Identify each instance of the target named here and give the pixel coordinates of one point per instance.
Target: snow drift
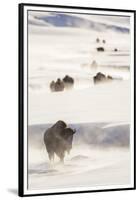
(92, 134)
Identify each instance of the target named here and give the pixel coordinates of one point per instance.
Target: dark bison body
(100, 77)
(68, 81)
(57, 86)
(109, 77)
(60, 85)
(58, 140)
(104, 41)
(100, 49)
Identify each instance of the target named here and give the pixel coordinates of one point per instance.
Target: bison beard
(58, 140)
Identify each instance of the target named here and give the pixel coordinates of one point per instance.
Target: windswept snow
(64, 44)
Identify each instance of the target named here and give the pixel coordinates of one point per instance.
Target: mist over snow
(65, 44)
(61, 44)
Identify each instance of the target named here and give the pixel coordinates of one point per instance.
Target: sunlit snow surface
(60, 45)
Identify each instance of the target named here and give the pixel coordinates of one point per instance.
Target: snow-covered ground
(99, 167)
(56, 51)
(100, 156)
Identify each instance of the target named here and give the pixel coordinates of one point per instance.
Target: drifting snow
(101, 151)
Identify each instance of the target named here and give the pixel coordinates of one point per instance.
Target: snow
(55, 52)
(98, 168)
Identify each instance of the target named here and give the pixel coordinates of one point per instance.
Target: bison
(94, 64)
(58, 140)
(115, 49)
(68, 81)
(100, 49)
(109, 77)
(59, 85)
(99, 77)
(104, 41)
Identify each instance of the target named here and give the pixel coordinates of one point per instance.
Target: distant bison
(104, 41)
(57, 86)
(94, 64)
(109, 77)
(58, 140)
(100, 49)
(68, 81)
(97, 40)
(100, 77)
(60, 85)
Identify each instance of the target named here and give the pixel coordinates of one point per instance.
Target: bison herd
(66, 83)
(58, 140)
(100, 77)
(101, 48)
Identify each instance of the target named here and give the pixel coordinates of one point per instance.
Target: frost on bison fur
(58, 140)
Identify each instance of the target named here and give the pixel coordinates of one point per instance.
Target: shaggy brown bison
(59, 85)
(68, 81)
(100, 77)
(100, 49)
(58, 140)
(109, 77)
(104, 41)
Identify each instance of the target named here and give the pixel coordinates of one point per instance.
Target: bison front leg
(61, 156)
(51, 156)
(62, 159)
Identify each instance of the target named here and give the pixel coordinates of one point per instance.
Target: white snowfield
(109, 102)
(99, 157)
(58, 51)
(94, 167)
(54, 53)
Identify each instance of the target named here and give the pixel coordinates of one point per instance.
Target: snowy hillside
(74, 21)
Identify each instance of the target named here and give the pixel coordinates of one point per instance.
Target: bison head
(60, 124)
(68, 137)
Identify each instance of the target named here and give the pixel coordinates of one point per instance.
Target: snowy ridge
(67, 20)
(92, 134)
